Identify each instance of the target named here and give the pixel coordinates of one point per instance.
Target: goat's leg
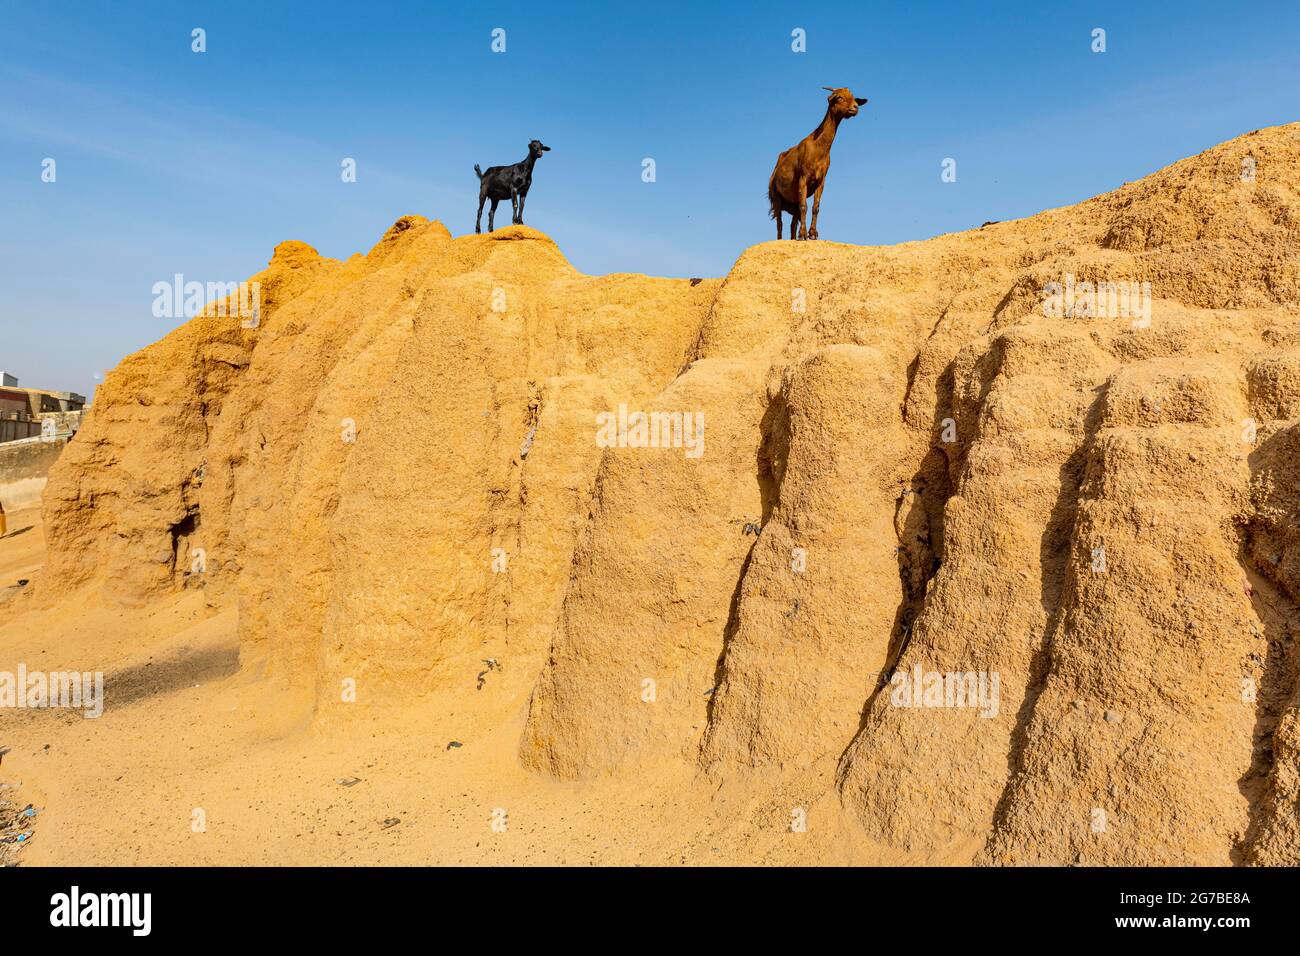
(522, 197)
(492, 215)
(777, 217)
(801, 192)
(817, 206)
(478, 220)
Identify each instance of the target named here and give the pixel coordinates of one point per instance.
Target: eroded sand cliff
(908, 464)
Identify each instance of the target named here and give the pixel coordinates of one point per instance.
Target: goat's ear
(859, 100)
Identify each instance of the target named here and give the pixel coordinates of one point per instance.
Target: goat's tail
(478, 172)
(773, 199)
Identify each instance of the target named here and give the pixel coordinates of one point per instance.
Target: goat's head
(535, 148)
(842, 102)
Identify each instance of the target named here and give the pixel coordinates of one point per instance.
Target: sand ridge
(1059, 450)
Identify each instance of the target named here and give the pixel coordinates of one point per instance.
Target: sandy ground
(186, 729)
(22, 549)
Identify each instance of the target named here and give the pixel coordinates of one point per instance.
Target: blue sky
(170, 161)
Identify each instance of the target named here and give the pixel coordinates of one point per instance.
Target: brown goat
(802, 169)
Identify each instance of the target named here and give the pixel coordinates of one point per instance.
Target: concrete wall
(28, 459)
(11, 430)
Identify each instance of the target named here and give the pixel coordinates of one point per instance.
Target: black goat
(507, 182)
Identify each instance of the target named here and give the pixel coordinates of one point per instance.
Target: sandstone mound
(913, 463)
